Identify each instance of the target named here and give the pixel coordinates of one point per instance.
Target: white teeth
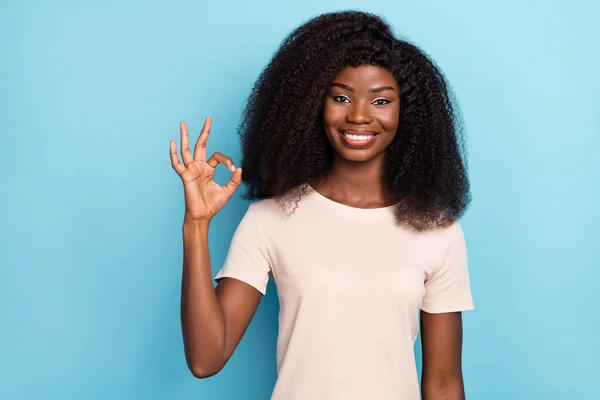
(359, 137)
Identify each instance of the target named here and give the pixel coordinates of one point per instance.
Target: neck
(356, 184)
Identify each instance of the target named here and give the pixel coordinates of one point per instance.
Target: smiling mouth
(358, 139)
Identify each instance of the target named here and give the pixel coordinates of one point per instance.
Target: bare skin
(362, 100)
(212, 320)
(441, 344)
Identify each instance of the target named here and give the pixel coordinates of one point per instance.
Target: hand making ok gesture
(203, 196)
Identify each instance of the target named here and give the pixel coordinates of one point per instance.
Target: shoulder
(444, 235)
(264, 209)
(280, 208)
(264, 214)
(440, 243)
(452, 232)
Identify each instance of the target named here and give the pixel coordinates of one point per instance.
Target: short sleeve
(248, 259)
(447, 287)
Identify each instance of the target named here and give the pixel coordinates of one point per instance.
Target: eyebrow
(373, 90)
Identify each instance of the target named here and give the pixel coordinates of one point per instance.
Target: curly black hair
(284, 144)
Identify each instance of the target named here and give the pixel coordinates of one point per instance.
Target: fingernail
(232, 168)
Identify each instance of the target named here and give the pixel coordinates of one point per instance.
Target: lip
(357, 144)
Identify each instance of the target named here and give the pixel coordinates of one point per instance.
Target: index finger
(200, 148)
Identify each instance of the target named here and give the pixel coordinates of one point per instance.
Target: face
(361, 112)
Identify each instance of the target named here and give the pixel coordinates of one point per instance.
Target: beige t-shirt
(350, 284)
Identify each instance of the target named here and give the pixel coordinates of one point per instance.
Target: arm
(441, 343)
(213, 321)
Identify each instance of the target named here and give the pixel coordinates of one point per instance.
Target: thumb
(234, 182)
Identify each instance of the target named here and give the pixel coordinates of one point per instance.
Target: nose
(359, 113)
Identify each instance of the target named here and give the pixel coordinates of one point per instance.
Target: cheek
(331, 116)
(389, 119)
(326, 116)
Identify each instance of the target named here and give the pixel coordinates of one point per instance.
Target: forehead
(365, 76)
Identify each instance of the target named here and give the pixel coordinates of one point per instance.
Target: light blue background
(90, 241)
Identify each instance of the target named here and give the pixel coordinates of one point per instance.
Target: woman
(352, 148)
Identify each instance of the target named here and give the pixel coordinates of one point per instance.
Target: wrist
(189, 221)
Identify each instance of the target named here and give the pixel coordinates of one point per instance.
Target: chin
(357, 156)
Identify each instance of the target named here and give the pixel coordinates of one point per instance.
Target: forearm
(442, 388)
(202, 318)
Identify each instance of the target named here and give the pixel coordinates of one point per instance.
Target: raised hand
(203, 196)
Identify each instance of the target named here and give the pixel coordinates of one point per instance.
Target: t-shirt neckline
(349, 210)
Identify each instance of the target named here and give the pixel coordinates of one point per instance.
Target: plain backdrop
(90, 220)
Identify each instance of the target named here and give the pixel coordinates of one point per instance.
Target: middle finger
(186, 154)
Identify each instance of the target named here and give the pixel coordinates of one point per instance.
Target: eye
(341, 99)
(381, 102)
